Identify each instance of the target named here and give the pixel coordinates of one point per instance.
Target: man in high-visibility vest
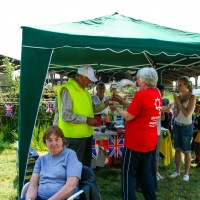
(76, 113)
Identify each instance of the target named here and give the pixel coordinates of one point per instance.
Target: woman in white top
(102, 116)
(98, 98)
(184, 105)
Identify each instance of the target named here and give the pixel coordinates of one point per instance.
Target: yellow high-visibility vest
(81, 105)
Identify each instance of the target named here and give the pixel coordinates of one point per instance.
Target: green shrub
(7, 134)
(37, 142)
(5, 145)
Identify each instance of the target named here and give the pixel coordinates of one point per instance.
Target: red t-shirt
(141, 132)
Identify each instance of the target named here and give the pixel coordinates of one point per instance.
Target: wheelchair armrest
(75, 195)
(85, 189)
(24, 190)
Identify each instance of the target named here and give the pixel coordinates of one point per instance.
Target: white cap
(88, 71)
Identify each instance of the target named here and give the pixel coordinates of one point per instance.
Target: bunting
(94, 153)
(49, 107)
(8, 108)
(116, 145)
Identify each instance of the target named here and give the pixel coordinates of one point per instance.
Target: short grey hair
(148, 75)
(100, 85)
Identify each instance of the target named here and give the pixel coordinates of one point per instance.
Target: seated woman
(56, 174)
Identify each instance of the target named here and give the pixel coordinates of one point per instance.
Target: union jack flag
(116, 145)
(94, 153)
(8, 108)
(49, 107)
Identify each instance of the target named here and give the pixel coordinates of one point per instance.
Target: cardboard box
(101, 158)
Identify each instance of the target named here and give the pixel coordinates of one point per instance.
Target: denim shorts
(182, 137)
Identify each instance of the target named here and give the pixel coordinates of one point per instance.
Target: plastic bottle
(118, 118)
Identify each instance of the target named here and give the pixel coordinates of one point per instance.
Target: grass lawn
(108, 180)
(174, 189)
(8, 174)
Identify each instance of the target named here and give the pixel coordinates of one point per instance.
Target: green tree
(13, 82)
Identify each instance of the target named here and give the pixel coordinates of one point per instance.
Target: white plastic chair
(24, 190)
(77, 194)
(87, 184)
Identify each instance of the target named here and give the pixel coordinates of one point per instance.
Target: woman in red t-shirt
(141, 135)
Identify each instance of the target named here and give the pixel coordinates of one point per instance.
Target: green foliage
(37, 142)
(8, 174)
(43, 116)
(34, 142)
(111, 116)
(49, 94)
(13, 84)
(8, 131)
(43, 121)
(5, 145)
(9, 125)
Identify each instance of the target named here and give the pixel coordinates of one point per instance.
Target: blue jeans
(137, 165)
(182, 137)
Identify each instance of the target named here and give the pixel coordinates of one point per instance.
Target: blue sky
(178, 14)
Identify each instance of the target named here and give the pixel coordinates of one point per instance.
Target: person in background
(76, 113)
(141, 135)
(195, 131)
(98, 98)
(157, 153)
(164, 112)
(55, 107)
(102, 117)
(196, 160)
(56, 174)
(166, 123)
(184, 105)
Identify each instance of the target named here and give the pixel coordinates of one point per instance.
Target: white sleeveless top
(96, 101)
(181, 118)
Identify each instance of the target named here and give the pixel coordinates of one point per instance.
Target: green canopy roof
(114, 42)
